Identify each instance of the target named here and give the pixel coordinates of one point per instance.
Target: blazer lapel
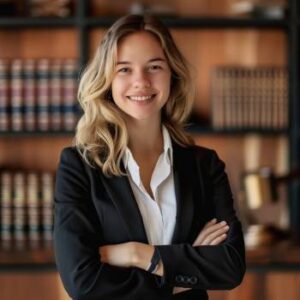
(119, 189)
(184, 164)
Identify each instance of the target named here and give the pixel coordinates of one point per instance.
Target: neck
(145, 138)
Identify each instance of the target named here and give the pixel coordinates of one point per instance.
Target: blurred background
(244, 57)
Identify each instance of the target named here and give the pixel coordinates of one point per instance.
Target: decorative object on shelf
(159, 9)
(26, 202)
(250, 97)
(261, 187)
(269, 9)
(50, 8)
(38, 95)
(118, 8)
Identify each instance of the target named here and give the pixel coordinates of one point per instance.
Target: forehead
(139, 45)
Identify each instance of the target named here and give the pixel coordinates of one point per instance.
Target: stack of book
(38, 95)
(250, 98)
(26, 204)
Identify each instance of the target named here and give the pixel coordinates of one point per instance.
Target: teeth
(140, 98)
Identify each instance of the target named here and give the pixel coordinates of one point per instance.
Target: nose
(141, 80)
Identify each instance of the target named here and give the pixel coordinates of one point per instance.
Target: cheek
(164, 83)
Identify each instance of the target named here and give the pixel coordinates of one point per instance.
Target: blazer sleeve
(77, 237)
(209, 267)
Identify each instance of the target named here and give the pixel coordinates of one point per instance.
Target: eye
(123, 70)
(155, 67)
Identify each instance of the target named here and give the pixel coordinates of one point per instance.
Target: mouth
(141, 98)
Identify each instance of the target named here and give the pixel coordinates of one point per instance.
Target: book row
(26, 205)
(38, 95)
(250, 97)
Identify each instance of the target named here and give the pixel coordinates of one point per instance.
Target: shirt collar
(168, 151)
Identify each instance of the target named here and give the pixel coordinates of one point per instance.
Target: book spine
(4, 94)
(6, 206)
(56, 88)
(47, 206)
(19, 201)
(33, 210)
(43, 94)
(17, 95)
(69, 106)
(29, 95)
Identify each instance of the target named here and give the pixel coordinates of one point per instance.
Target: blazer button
(193, 279)
(179, 278)
(186, 279)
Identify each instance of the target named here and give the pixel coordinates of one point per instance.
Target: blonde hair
(101, 134)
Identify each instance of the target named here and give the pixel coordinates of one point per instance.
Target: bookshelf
(252, 40)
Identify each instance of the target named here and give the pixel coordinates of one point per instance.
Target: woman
(141, 212)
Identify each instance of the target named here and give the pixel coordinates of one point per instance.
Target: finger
(205, 232)
(215, 234)
(214, 227)
(211, 222)
(218, 240)
(209, 230)
(201, 235)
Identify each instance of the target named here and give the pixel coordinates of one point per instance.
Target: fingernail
(223, 223)
(214, 220)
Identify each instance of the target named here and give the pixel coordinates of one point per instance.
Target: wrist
(142, 255)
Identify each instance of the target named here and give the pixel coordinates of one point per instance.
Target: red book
(69, 106)
(4, 94)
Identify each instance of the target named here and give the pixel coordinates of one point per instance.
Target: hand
(212, 233)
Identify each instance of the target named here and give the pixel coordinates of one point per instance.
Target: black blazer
(93, 210)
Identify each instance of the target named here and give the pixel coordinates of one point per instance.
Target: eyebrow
(150, 60)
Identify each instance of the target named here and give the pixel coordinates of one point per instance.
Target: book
(4, 94)
(16, 87)
(250, 97)
(43, 94)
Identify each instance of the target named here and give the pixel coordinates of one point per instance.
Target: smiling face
(142, 77)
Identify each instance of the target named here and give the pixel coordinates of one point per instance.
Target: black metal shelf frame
(294, 110)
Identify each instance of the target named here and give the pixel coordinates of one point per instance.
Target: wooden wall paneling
(252, 288)
(31, 285)
(95, 37)
(38, 43)
(205, 49)
(32, 153)
(283, 285)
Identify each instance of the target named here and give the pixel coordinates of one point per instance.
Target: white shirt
(158, 214)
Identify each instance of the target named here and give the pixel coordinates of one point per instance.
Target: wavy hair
(101, 134)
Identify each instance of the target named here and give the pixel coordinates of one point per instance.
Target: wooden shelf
(26, 259)
(195, 129)
(200, 22)
(179, 22)
(280, 257)
(15, 22)
(283, 256)
(36, 133)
